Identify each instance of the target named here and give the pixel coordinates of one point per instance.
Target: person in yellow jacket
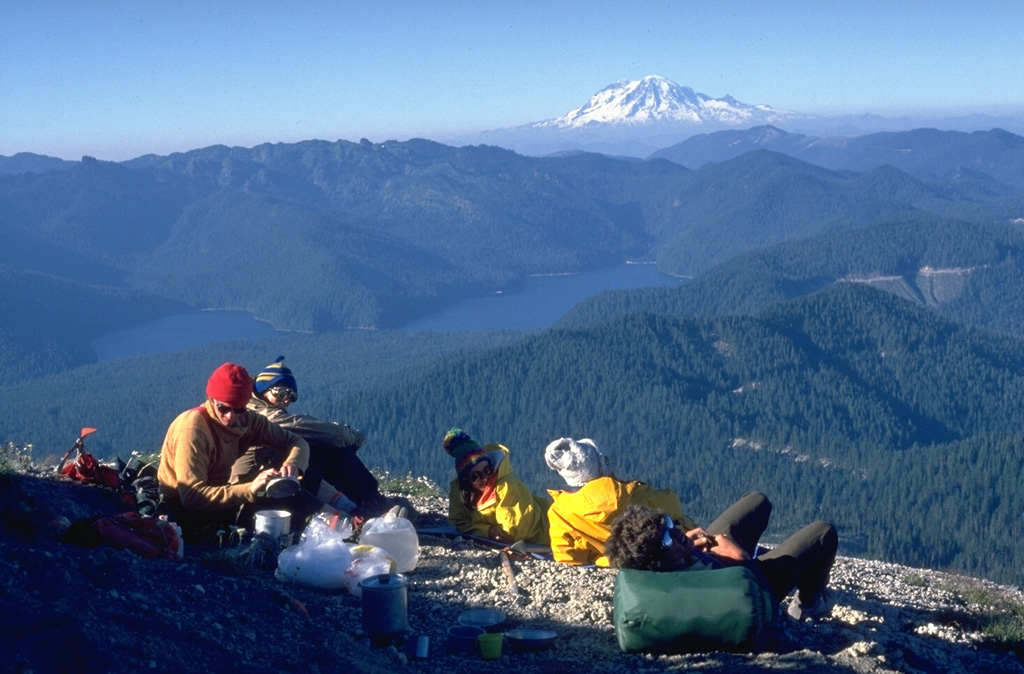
(486, 499)
(580, 519)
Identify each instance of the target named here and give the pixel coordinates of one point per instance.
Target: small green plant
(233, 555)
(1003, 622)
(982, 596)
(916, 581)
(15, 458)
(407, 485)
(997, 616)
(144, 458)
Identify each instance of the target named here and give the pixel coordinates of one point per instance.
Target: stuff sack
(149, 537)
(692, 611)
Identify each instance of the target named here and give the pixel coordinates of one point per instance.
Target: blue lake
(540, 303)
(180, 332)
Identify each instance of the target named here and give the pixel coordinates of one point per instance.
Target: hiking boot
(404, 508)
(820, 607)
(378, 507)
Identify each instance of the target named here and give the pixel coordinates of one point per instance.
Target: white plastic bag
(320, 558)
(395, 534)
(367, 561)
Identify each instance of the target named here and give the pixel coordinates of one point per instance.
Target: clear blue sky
(119, 79)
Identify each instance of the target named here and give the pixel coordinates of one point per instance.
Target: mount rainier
(633, 118)
(656, 100)
(636, 118)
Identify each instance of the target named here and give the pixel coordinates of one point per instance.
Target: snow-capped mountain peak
(655, 99)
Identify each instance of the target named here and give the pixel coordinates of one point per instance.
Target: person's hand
(726, 548)
(288, 470)
(260, 483)
(702, 540)
(495, 533)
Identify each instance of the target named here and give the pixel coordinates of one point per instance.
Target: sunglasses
(225, 409)
(666, 538)
(284, 394)
(478, 475)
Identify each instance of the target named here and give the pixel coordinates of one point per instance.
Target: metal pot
(385, 606)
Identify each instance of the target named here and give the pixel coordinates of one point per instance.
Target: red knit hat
(230, 384)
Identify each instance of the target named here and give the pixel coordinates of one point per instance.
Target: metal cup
(273, 523)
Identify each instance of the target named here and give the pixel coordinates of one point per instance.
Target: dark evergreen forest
(966, 271)
(851, 404)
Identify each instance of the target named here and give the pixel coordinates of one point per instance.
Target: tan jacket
(198, 452)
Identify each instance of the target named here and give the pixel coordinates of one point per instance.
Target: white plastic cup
(273, 523)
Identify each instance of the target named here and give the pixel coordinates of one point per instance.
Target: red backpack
(149, 537)
(85, 467)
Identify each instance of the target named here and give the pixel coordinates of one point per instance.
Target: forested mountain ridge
(820, 402)
(369, 233)
(29, 162)
(969, 272)
(763, 198)
(375, 234)
(928, 154)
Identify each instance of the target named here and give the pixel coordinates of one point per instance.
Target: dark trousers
(339, 466)
(744, 521)
(803, 561)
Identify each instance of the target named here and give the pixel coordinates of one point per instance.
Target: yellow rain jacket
(581, 520)
(519, 513)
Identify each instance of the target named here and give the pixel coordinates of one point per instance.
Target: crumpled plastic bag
(320, 558)
(395, 534)
(367, 561)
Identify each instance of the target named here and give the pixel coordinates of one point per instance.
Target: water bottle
(397, 536)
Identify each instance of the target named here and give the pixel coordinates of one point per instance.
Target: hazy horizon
(117, 79)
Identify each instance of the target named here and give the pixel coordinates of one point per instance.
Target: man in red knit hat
(204, 442)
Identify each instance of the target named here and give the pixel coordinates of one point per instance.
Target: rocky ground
(71, 609)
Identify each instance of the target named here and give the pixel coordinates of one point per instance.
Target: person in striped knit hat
(486, 499)
(336, 475)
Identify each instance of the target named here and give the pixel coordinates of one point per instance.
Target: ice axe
(506, 565)
(519, 548)
(79, 446)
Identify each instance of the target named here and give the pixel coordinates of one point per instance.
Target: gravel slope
(69, 609)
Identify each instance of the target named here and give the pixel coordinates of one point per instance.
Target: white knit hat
(577, 461)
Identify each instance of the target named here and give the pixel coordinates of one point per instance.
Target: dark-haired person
(336, 475)
(647, 538)
(580, 517)
(486, 499)
(203, 443)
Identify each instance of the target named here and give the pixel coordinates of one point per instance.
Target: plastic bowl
(487, 618)
(462, 638)
(531, 640)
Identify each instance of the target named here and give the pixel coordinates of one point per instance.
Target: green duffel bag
(692, 611)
